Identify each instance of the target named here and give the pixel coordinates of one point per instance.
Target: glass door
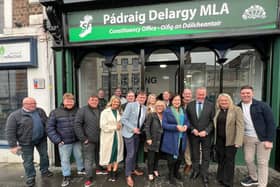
(161, 72)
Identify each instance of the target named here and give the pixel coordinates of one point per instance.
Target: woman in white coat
(111, 141)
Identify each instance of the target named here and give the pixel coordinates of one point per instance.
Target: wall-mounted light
(163, 66)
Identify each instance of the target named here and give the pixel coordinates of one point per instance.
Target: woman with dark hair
(175, 124)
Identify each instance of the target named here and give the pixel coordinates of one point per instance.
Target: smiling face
(176, 101)
(115, 103)
(246, 95)
(68, 103)
(29, 104)
(118, 92)
(200, 95)
(130, 97)
(166, 96)
(187, 96)
(224, 102)
(141, 98)
(93, 102)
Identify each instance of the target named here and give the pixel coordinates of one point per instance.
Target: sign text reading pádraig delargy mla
(166, 14)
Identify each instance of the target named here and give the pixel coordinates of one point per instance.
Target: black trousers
(226, 162)
(174, 163)
(205, 144)
(153, 158)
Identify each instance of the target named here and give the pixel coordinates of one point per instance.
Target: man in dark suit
(201, 113)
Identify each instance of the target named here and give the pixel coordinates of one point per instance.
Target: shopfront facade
(163, 45)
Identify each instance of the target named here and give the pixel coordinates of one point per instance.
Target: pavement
(12, 175)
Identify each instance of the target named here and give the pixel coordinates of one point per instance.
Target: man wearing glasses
(25, 129)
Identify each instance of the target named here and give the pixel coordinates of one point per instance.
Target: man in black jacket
(60, 129)
(201, 113)
(258, 137)
(25, 129)
(87, 130)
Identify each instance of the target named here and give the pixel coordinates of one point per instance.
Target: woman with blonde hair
(111, 141)
(229, 131)
(151, 101)
(153, 130)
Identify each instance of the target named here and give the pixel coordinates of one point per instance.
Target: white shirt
(248, 123)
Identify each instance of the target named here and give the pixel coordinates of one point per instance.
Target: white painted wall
(45, 70)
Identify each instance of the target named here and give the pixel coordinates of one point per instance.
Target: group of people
(174, 128)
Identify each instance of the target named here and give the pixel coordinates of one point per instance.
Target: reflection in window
(243, 67)
(91, 78)
(105, 82)
(115, 65)
(13, 85)
(104, 67)
(128, 64)
(135, 64)
(201, 70)
(114, 82)
(124, 63)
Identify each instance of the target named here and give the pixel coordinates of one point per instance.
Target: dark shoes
(187, 169)
(248, 181)
(30, 182)
(47, 174)
(194, 175)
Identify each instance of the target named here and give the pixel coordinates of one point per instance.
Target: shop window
(1, 16)
(124, 70)
(115, 65)
(124, 62)
(135, 64)
(13, 84)
(243, 67)
(92, 76)
(202, 70)
(104, 67)
(114, 82)
(161, 71)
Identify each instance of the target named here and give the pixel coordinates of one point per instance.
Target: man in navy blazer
(132, 120)
(201, 113)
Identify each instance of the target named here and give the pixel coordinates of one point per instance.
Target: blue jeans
(65, 152)
(28, 156)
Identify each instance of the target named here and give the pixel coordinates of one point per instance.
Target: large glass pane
(126, 72)
(201, 70)
(243, 67)
(13, 84)
(93, 74)
(161, 70)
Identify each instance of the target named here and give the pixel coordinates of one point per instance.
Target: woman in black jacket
(153, 130)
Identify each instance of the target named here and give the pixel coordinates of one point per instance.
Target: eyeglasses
(29, 103)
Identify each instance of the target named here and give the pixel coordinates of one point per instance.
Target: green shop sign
(170, 19)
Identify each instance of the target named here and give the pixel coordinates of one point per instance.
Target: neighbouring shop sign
(18, 52)
(169, 19)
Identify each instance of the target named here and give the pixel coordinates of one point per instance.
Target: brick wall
(22, 9)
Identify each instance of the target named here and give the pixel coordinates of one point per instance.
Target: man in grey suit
(132, 120)
(200, 113)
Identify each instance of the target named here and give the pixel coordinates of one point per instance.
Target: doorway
(161, 72)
